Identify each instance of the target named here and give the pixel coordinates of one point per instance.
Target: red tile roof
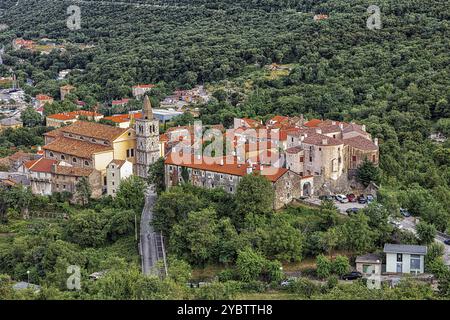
(321, 140)
(313, 123)
(74, 115)
(213, 165)
(41, 165)
(43, 97)
(361, 143)
(73, 147)
(72, 171)
(94, 130)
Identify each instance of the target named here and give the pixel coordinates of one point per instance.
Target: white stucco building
(402, 258)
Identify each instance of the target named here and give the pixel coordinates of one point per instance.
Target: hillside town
(224, 150)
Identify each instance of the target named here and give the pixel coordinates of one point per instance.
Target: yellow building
(90, 145)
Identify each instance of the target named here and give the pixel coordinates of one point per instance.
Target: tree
(196, 238)
(83, 190)
(156, 175)
(87, 228)
(323, 266)
(254, 194)
(356, 234)
(249, 264)
(283, 241)
(367, 172)
(340, 265)
(130, 194)
(426, 232)
(30, 117)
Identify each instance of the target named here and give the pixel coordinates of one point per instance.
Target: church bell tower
(147, 140)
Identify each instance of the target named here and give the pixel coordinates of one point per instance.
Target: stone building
(65, 90)
(147, 140)
(117, 171)
(220, 173)
(66, 178)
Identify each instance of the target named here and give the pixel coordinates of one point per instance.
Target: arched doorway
(307, 189)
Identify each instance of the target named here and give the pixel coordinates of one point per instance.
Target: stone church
(147, 140)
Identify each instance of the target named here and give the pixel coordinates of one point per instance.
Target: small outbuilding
(369, 264)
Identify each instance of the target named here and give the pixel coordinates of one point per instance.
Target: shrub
(323, 266)
(340, 265)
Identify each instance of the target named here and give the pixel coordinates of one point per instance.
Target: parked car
(447, 242)
(370, 198)
(288, 282)
(327, 197)
(351, 211)
(352, 275)
(351, 197)
(405, 213)
(341, 198)
(362, 199)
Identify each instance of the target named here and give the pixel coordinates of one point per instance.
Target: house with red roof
(42, 100)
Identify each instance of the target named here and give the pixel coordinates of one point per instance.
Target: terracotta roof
(30, 163)
(319, 139)
(119, 102)
(54, 133)
(361, 143)
(94, 130)
(72, 171)
(20, 155)
(82, 149)
(121, 118)
(313, 123)
(329, 128)
(42, 165)
(118, 163)
(74, 115)
(294, 150)
(279, 119)
(234, 168)
(43, 97)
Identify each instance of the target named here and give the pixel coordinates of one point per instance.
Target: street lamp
(28, 274)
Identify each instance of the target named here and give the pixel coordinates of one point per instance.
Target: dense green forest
(395, 80)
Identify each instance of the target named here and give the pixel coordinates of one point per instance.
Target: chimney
(333, 123)
(375, 141)
(302, 120)
(319, 131)
(221, 162)
(363, 127)
(341, 125)
(324, 141)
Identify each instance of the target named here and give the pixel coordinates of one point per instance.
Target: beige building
(141, 89)
(117, 171)
(369, 264)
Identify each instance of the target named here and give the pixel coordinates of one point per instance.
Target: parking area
(342, 207)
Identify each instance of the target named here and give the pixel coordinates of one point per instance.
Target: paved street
(342, 207)
(410, 225)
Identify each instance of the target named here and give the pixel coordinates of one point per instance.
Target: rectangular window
(302, 159)
(128, 153)
(399, 257)
(353, 158)
(132, 152)
(415, 262)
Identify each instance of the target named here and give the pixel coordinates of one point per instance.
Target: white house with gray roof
(401, 258)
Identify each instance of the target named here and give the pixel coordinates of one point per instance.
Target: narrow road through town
(151, 247)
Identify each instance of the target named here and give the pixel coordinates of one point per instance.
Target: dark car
(362, 199)
(351, 197)
(405, 213)
(351, 211)
(447, 242)
(327, 197)
(352, 275)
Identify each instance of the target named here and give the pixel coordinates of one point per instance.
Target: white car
(341, 198)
